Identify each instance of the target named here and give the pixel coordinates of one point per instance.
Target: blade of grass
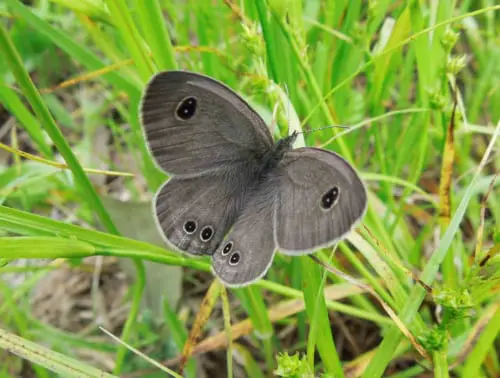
(16, 247)
(156, 34)
(29, 247)
(382, 61)
(317, 312)
(207, 21)
(93, 9)
(124, 22)
(252, 367)
(253, 302)
(486, 342)
(272, 57)
(13, 103)
(314, 328)
(56, 362)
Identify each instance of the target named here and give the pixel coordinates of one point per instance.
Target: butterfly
(234, 193)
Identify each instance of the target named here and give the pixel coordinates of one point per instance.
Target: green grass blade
(253, 301)
(156, 34)
(32, 247)
(484, 345)
(271, 49)
(91, 8)
(11, 101)
(381, 64)
(23, 223)
(125, 24)
(56, 362)
(317, 312)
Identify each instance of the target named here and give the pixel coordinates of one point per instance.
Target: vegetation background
(78, 249)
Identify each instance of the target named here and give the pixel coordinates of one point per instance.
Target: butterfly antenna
(308, 131)
(325, 127)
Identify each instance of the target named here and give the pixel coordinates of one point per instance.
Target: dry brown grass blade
(386, 307)
(357, 367)
(206, 308)
(88, 76)
(237, 12)
(446, 173)
(492, 252)
(418, 213)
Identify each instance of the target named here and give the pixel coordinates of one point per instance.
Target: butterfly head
(284, 144)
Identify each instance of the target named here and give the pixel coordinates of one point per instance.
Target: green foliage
(456, 303)
(434, 339)
(293, 366)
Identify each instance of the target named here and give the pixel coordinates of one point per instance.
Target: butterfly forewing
(194, 124)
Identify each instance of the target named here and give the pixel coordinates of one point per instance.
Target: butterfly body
(274, 156)
(234, 193)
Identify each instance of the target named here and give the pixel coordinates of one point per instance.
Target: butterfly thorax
(274, 156)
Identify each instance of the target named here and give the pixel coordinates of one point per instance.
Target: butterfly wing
(193, 123)
(247, 252)
(194, 213)
(321, 198)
